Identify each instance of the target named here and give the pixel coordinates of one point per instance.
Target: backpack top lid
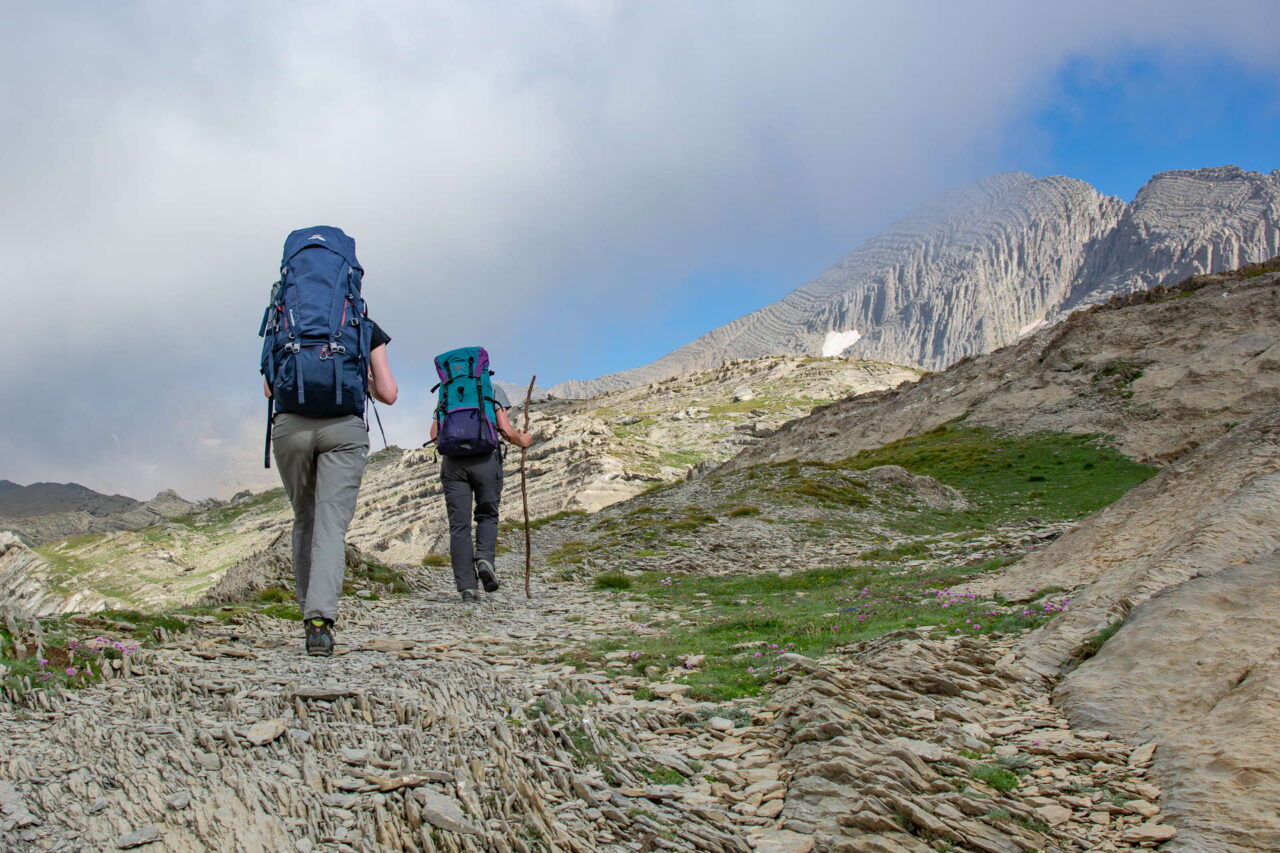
(476, 358)
(333, 239)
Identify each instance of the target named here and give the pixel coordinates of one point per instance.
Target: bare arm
(508, 430)
(382, 383)
(266, 389)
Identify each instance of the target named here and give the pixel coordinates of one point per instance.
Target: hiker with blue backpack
(322, 358)
(471, 413)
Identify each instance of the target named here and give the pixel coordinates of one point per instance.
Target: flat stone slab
(444, 812)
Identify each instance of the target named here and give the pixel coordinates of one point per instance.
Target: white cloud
(554, 153)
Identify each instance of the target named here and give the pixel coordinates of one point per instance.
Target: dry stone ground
(452, 727)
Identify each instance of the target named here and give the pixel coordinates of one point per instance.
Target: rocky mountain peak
(990, 262)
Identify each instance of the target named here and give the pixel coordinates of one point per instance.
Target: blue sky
(1115, 124)
(581, 187)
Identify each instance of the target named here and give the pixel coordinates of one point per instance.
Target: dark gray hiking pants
(469, 480)
(321, 461)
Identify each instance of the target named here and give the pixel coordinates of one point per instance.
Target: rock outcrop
(1160, 371)
(983, 266)
(1187, 565)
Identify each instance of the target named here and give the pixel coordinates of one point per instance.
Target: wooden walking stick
(524, 494)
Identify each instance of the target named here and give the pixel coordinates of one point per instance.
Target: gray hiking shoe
(319, 637)
(470, 595)
(488, 575)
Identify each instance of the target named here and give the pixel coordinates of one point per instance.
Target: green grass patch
(372, 571)
(569, 553)
(435, 561)
(743, 511)
(1074, 474)
(288, 612)
(806, 612)
(998, 777)
(536, 523)
(615, 581)
(271, 500)
(663, 775)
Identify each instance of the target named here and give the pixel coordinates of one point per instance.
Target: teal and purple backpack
(466, 412)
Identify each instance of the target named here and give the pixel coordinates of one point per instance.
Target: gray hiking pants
(468, 479)
(321, 461)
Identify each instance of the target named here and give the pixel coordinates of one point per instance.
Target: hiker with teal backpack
(322, 358)
(470, 415)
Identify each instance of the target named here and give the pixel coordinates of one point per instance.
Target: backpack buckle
(336, 348)
(293, 347)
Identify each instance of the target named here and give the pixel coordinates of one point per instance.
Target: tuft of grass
(997, 777)
(435, 561)
(569, 553)
(274, 594)
(287, 612)
(613, 581)
(374, 572)
(664, 775)
(1095, 642)
(818, 483)
(743, 511)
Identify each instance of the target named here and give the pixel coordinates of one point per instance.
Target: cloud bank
(571, 163)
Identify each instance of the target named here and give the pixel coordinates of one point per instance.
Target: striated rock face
(597, 452)
(981, 267)
(1159, 371)
(589, 454)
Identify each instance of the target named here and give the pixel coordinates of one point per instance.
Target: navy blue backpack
(315, 333)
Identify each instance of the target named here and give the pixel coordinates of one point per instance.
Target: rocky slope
(1186, 564)
(1161, 372)
(590, 454)
(45, 498)
(981, 267)
(449, 727)
(46, 512)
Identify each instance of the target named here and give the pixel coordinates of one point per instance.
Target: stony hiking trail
(451, 727)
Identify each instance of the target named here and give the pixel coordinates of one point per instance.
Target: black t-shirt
(379, 337)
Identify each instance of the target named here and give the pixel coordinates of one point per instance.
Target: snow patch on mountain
(837, 342)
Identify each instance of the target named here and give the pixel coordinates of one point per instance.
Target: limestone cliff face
(984, 266)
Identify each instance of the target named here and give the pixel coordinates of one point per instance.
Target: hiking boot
(488, 576)
(320, 637)
(470, 595)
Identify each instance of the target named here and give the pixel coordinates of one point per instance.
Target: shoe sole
(319, 653)
(488, 580)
